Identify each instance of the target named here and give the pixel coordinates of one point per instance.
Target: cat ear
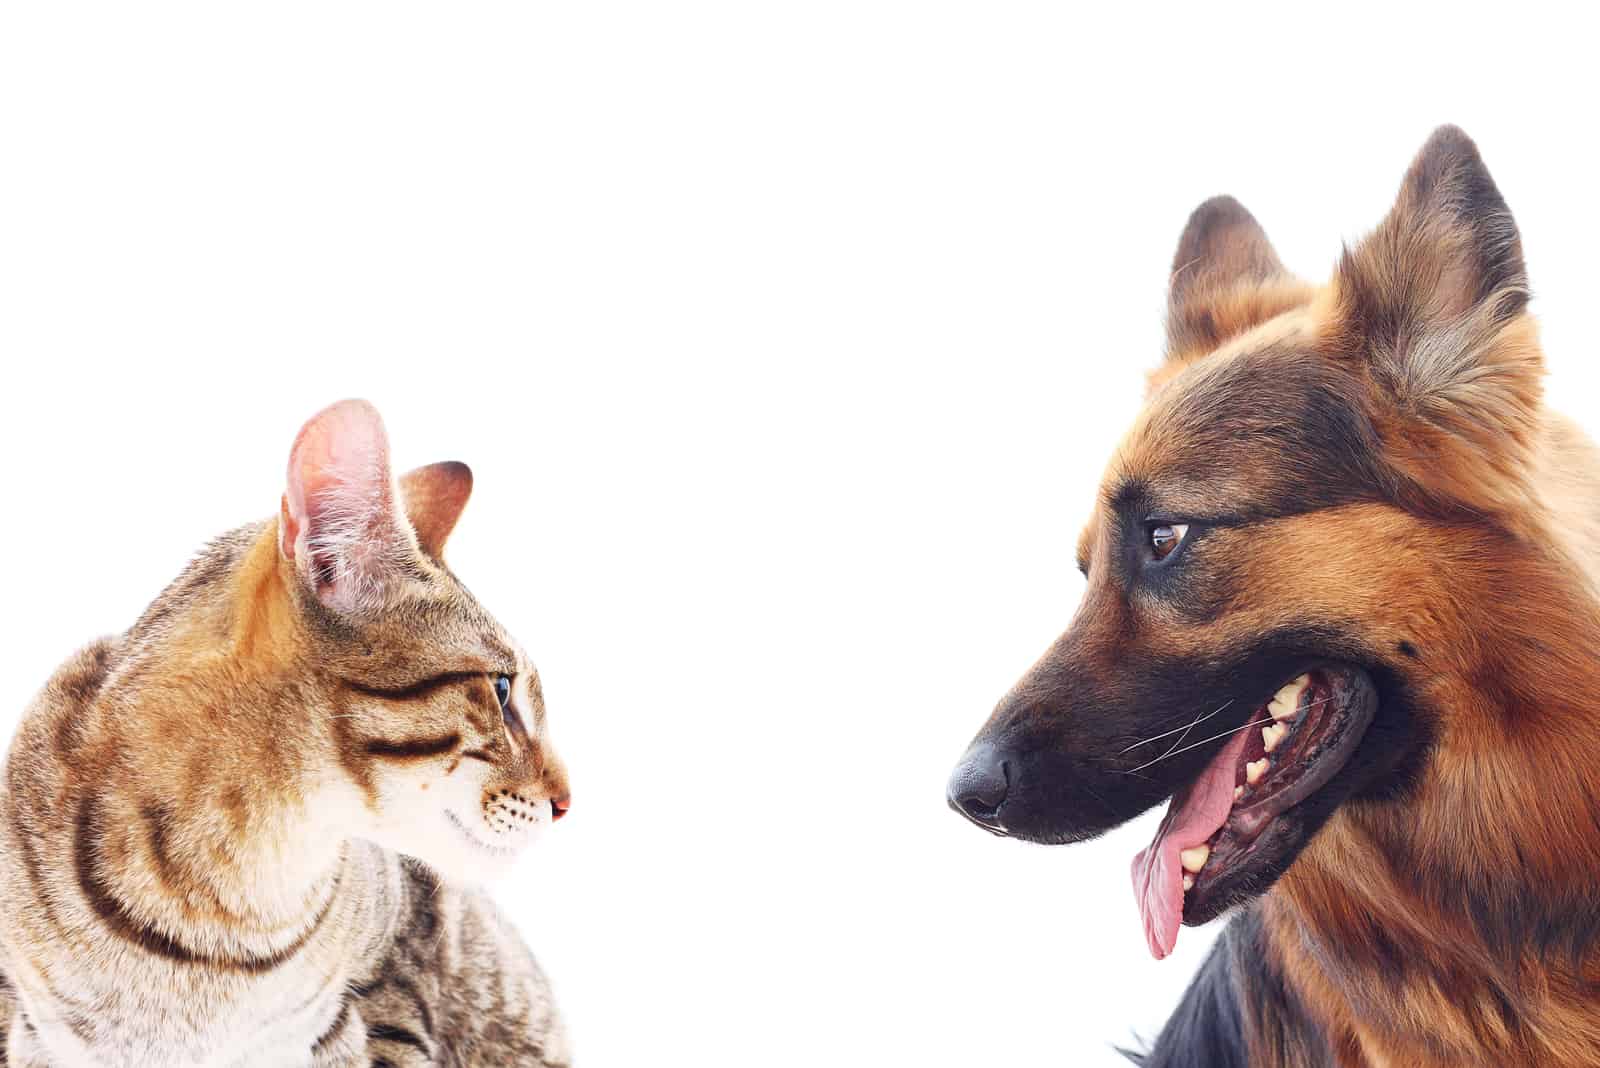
(340, 523)
(434, 497)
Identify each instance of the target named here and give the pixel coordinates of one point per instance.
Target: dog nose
(559, 806)
(979, 784)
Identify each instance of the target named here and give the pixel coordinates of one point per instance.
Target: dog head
(1318, 477)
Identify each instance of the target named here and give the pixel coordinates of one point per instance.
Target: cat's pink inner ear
(434, 497)
(339, 521)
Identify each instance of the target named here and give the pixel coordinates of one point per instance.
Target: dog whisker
(1214, 737)
(1175, 730)
(1203, 741)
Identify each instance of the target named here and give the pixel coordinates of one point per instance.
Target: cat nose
(560, 805)
(979, 785)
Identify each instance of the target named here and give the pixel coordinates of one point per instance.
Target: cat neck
(214, 814)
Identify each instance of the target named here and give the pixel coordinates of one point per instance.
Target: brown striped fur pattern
(247, 831)
(1367, 473)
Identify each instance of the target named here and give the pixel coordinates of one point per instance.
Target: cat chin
(458, 845)
(465, 850)
(442, 822)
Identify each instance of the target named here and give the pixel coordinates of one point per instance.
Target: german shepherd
(1343, 610)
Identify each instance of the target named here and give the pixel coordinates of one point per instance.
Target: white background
(787, 344)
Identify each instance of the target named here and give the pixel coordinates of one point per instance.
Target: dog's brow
(1124, 493)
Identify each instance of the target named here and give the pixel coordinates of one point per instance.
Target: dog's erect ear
(1446, 257)
(1222, 246)
(1432, 304)
(1226, 278)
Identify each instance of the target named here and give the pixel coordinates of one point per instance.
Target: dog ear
(1225, 279)
(1432, 304)
(1222, 245)
(1447, 256)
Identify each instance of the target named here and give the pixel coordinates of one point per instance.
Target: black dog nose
(978, 786)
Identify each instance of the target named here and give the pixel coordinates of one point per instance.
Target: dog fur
(1372, 476)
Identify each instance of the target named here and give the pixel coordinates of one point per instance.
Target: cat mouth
(502, 852)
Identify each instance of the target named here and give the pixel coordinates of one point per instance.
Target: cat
(247, 830)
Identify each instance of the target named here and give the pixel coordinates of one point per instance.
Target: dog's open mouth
(1233, 830)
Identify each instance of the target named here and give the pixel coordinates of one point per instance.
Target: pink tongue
(1194, 816)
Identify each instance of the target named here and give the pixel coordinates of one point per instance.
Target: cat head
(435, 722)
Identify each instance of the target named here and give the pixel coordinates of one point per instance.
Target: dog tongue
(1194, 816)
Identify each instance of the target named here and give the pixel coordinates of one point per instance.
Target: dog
(1343, 612)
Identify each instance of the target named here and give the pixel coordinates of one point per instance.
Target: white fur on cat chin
(444, 827)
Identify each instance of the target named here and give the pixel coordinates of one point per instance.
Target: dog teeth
(1194, 858)
(1286, 702)
(1238, 792)
(1271, 736)
(1188, 882)
(1254, 770)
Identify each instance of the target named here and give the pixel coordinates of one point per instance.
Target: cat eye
(502, 692)
(1166, 537)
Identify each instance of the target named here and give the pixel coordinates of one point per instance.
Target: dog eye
(502, 691)
(1165, 538)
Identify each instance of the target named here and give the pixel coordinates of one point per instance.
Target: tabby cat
(220, 831)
